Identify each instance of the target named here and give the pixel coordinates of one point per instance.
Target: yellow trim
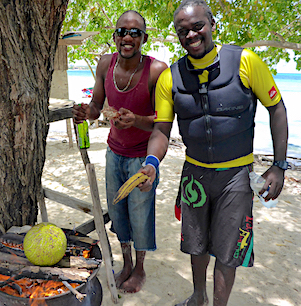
(241, 161)
(206, 60)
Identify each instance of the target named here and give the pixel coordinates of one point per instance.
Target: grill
(13, 264)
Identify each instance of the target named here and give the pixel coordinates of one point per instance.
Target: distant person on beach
(214, 90)
(127, 79)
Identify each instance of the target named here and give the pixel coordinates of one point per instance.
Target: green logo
(193, 192)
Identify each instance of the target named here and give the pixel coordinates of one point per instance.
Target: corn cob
(129, 185)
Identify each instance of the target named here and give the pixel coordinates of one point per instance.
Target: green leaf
(238, 21)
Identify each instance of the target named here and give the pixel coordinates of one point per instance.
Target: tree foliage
(269, 27)
(274, 25)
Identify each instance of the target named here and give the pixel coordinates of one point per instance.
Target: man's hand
(151, 172)
(125, 120)
(274, 177)
(81, 112)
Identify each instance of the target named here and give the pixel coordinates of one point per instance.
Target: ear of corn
(129, 185)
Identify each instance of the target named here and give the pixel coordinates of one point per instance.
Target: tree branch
(273, 43)
(91, 69)
(103, 11)
(278, 35)
(167, 39)
(291, 25)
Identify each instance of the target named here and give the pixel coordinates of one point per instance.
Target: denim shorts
(133, 218)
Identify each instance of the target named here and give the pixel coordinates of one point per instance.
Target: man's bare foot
(135, 282)
(193, 301)
(122, 276)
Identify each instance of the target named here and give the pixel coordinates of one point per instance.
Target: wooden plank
(68, 201)
(56, 103)
(65, 42)
(14, 259)
(60, 114)
(60, 109)
(69, 274)
(65, 262)
(86, 228)
(101, 231)
(75, 38)
(89, 226)
(75, 203)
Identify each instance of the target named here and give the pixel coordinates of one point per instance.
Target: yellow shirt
(254, 74)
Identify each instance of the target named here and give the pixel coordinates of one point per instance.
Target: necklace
(131, 77)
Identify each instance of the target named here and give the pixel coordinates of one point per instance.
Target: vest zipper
(208, 126)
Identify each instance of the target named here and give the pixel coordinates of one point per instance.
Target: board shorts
(133, 218)
(216, 207)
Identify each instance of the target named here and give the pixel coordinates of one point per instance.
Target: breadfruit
(45, 244)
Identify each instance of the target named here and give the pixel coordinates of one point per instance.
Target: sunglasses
(184, 32)
(122, 32)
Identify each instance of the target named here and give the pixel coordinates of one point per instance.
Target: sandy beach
(275, 278)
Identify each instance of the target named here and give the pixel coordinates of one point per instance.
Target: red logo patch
(156, 115)
(273, 92)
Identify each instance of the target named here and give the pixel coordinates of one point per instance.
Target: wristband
(152, 160)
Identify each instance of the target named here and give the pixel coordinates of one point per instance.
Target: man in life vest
(213, 90)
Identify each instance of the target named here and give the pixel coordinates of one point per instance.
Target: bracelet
(152, 160)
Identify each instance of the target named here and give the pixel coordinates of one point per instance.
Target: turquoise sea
(289, 85)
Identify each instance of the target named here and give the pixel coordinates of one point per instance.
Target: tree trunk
(29, 32)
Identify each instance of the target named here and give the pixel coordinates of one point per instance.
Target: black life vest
(216, 119)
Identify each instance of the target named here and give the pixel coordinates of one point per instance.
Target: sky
(284, 67)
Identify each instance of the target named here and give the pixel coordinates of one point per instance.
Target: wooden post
(43, 210)
(86, 161)
(69, 132)
(101, 230)
(42, 206)
(59, 84)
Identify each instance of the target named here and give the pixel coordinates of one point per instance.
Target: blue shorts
(217, 214)
(133, 218)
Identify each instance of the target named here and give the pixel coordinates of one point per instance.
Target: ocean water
(289, 85)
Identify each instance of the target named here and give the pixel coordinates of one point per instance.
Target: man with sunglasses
(127, 79)
(214, 91)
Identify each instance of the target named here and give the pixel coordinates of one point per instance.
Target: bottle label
(83, 135)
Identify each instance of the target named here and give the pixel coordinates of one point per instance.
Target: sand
(275, 278)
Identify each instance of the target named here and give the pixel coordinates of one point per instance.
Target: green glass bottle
(83, 135)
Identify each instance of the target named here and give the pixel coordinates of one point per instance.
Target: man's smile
(127, 46)
(196, 43)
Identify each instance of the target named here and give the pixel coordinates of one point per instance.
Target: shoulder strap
(183, 80)
(113, 60)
